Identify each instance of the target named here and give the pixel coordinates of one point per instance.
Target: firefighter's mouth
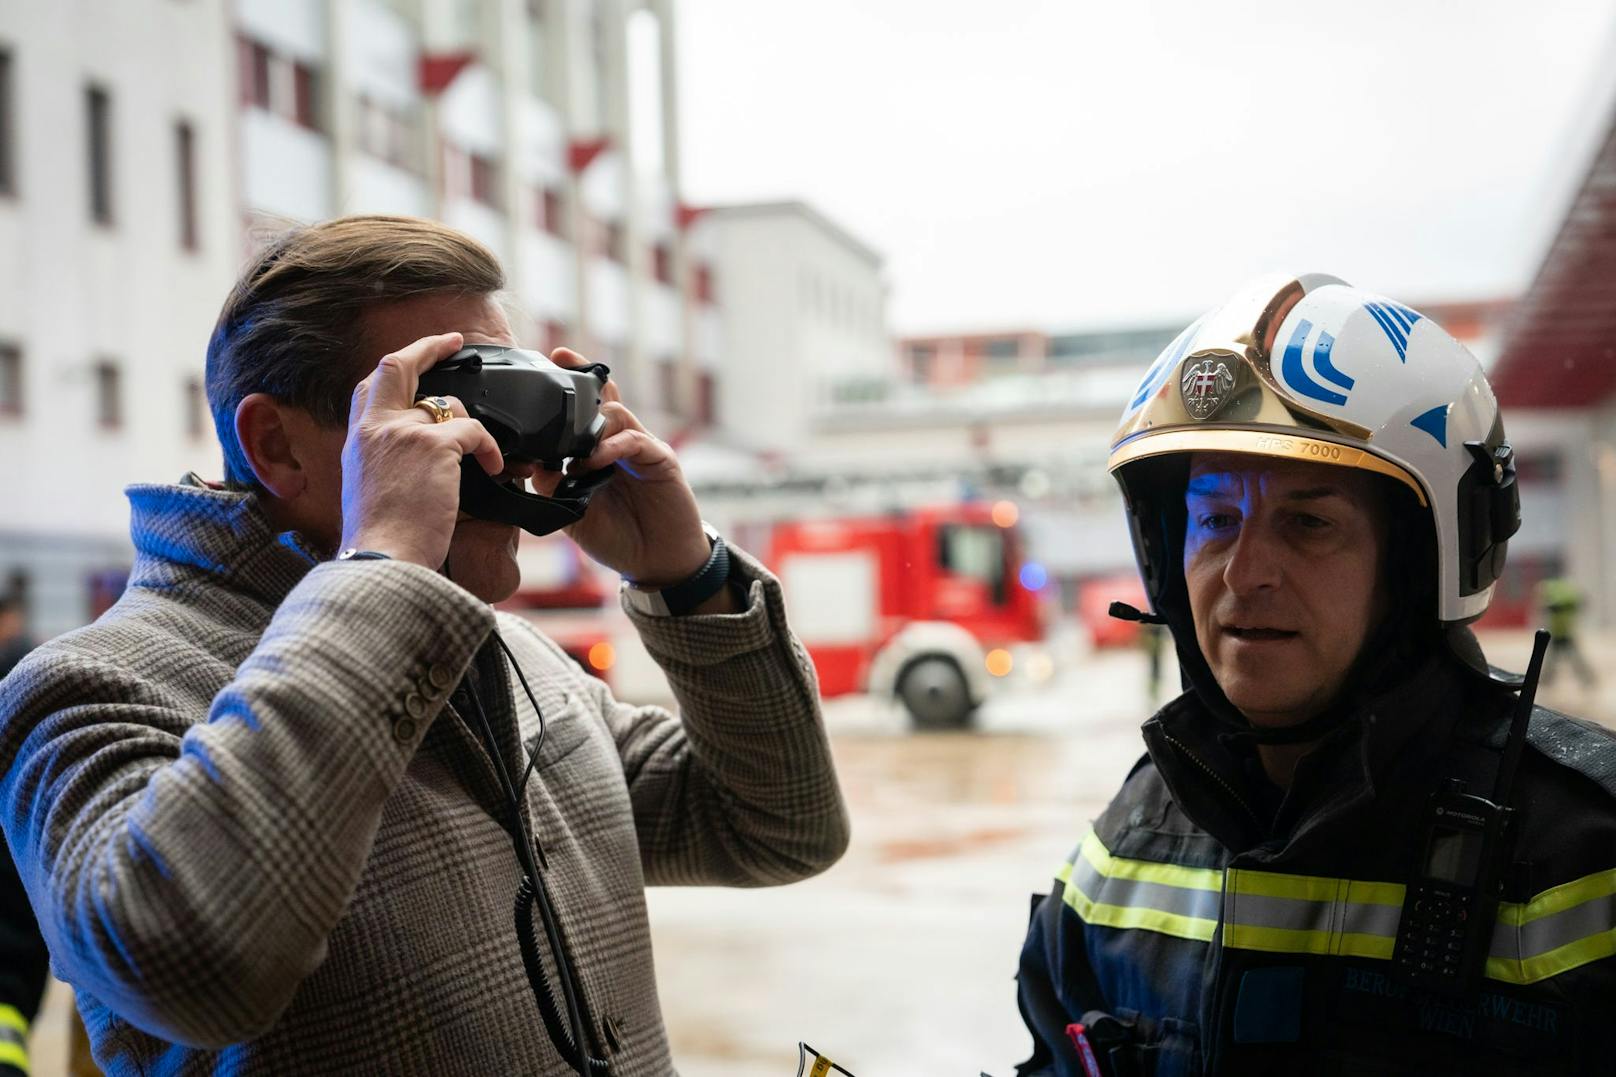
(1259, 633)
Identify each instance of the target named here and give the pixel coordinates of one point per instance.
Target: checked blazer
(262, 838)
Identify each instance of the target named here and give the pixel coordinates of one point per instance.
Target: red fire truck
(927, 605)
(931, 606)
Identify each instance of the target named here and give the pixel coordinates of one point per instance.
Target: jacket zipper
(1212, 1016)
(1225, 786)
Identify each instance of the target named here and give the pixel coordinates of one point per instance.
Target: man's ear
(262, 433)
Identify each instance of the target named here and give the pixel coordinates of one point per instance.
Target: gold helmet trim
(1279, 442)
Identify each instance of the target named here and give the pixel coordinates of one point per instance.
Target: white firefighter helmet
(1310, 368)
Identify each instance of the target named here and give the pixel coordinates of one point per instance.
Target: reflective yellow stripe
(1562, 897)
(1529, 970)
(1171, 887)
(1314, 888)
(1138, 916)
(11, 1017)
(1561, 929)
(1147, 871)
(1284, 940)
(13, 1054)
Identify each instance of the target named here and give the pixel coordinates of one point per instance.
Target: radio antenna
(1517, 725)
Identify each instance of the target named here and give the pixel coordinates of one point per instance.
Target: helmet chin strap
(485, 499)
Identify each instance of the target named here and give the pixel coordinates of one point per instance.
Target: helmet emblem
(1205, 386)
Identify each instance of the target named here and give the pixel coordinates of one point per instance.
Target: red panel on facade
(435, 72)
(1560, 349)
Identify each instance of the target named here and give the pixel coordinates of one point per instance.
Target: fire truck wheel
(935, 694)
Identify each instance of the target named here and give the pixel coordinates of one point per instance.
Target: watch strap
(683, 597)
(354, 554)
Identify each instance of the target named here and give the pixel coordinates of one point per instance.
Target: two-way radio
(1450, 908)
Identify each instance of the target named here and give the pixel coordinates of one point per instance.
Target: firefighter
(1320, 494)
(1561, 602)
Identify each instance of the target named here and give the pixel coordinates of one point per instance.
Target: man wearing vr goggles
(1352, 847)
(266, 807)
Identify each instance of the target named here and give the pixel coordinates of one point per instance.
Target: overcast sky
(1069, 163)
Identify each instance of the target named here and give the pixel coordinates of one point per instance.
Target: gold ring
(437, 407)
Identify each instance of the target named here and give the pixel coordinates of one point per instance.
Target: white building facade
(803, 310)
(118, 237)
(146, 147)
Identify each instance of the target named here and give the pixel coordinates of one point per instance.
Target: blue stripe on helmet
(1296, 375)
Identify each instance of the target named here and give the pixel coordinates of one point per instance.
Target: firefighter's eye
(1214, 521)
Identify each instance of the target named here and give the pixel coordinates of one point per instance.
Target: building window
(706, 398)
(98, 121)
(1003, 348)
(484, 180)
(279, 84)
(196, 409)
(616, 242)
(387, 134)
(552, 212)
(702, 284)
(253, 60)
(10, 380)
(185, 163)
(108, 395)
(668, 385)
(662, 263)
(470, 175)
(305, 91)
(921, 358)
(1543, 467)
(8, 165)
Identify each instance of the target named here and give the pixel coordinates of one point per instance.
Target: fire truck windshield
(974, 552)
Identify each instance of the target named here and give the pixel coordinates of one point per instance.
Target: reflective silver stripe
(1134, 893)
(1311, 915)
(1532, 943)
(1290, 914)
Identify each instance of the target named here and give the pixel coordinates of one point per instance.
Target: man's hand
(400, 469)
(643, 524)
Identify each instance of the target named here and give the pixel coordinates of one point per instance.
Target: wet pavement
(901, 958)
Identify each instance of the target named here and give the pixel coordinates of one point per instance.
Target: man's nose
(1255, 560)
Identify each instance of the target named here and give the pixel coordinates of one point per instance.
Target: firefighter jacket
(1232, 933)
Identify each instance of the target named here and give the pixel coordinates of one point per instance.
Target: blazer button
(404, 730)
(438, 676)
(414, 705)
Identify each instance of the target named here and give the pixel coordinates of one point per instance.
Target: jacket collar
(1382, 745)
(223, 532)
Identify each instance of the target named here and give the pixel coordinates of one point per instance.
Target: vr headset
(536, 411)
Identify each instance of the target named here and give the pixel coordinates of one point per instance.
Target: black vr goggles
(536, 411)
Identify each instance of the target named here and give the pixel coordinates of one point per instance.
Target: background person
(259, 805)
(1320, 493)
(1561, 602)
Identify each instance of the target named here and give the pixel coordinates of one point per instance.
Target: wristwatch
(354, 554)
(693, 590)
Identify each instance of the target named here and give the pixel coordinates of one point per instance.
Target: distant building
(803, 315)
(949, 360)
(145, 147)
(962, 358)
